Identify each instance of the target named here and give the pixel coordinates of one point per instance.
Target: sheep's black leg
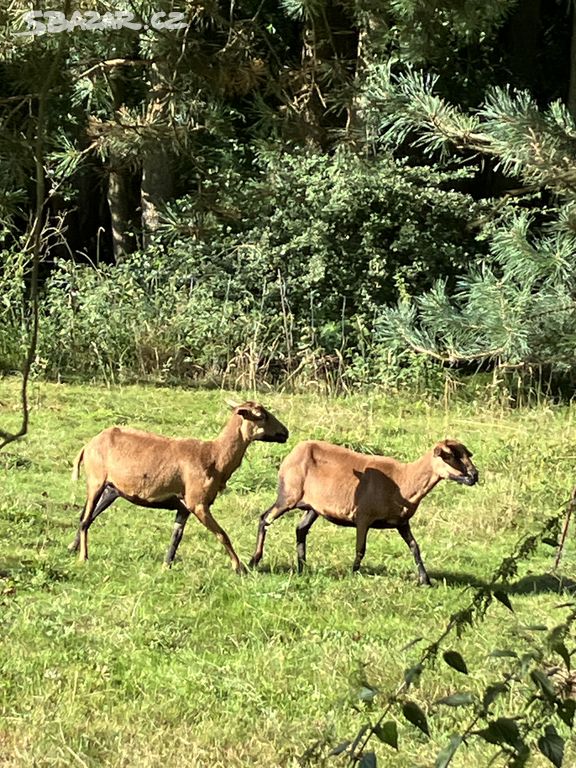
(284, 503)
(361, 534)
(260, 538)
(276, 510)
(182, 516)
(107, 497)
(309, 518)
(406, 534)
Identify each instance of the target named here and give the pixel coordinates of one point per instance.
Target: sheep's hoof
(241, 570)
(426, 583)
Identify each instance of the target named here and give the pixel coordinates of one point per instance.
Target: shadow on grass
(534, 584)
(341, 572)
(290, 569)
(280, 568)
(34, 573)
(12, 461)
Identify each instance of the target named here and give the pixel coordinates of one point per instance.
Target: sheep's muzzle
(471, 478)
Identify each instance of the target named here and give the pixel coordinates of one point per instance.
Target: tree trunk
(157, 174)
(329, 50)
(118, 196)
(310, 96)
(355, 128)
(156, 188)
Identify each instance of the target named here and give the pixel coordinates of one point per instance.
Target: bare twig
(35, 242)
(102, 66)
(569, 509)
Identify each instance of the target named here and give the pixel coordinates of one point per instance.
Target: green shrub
(280, 278)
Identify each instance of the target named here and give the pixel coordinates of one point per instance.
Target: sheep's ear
(442, 450)
(248, 413)
(437, 450)
(232, 404)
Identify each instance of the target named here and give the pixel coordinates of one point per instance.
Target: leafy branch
(502, 731)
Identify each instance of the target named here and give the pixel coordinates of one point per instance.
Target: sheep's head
(258, 423)
(452, 461)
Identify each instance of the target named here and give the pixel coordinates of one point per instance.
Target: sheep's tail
(76, 467)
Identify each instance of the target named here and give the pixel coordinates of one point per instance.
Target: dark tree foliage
(258, 189)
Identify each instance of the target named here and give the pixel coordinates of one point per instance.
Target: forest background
(351, 193)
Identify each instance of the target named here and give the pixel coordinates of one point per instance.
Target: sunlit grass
(120, 663)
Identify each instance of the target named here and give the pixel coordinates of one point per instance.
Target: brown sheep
(360, 491)
(184, 475)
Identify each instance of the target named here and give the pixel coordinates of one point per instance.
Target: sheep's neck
(419, 479)
(230, 447)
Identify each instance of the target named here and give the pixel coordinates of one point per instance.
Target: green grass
(118, 662)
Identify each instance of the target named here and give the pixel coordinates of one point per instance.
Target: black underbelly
(172, 502)
(344, 523)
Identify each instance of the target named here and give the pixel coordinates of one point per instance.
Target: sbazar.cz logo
(53, 22)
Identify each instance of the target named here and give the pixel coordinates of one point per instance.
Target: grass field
(118, 662)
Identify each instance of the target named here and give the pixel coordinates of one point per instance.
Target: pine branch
(538, 146)
(111, 63)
